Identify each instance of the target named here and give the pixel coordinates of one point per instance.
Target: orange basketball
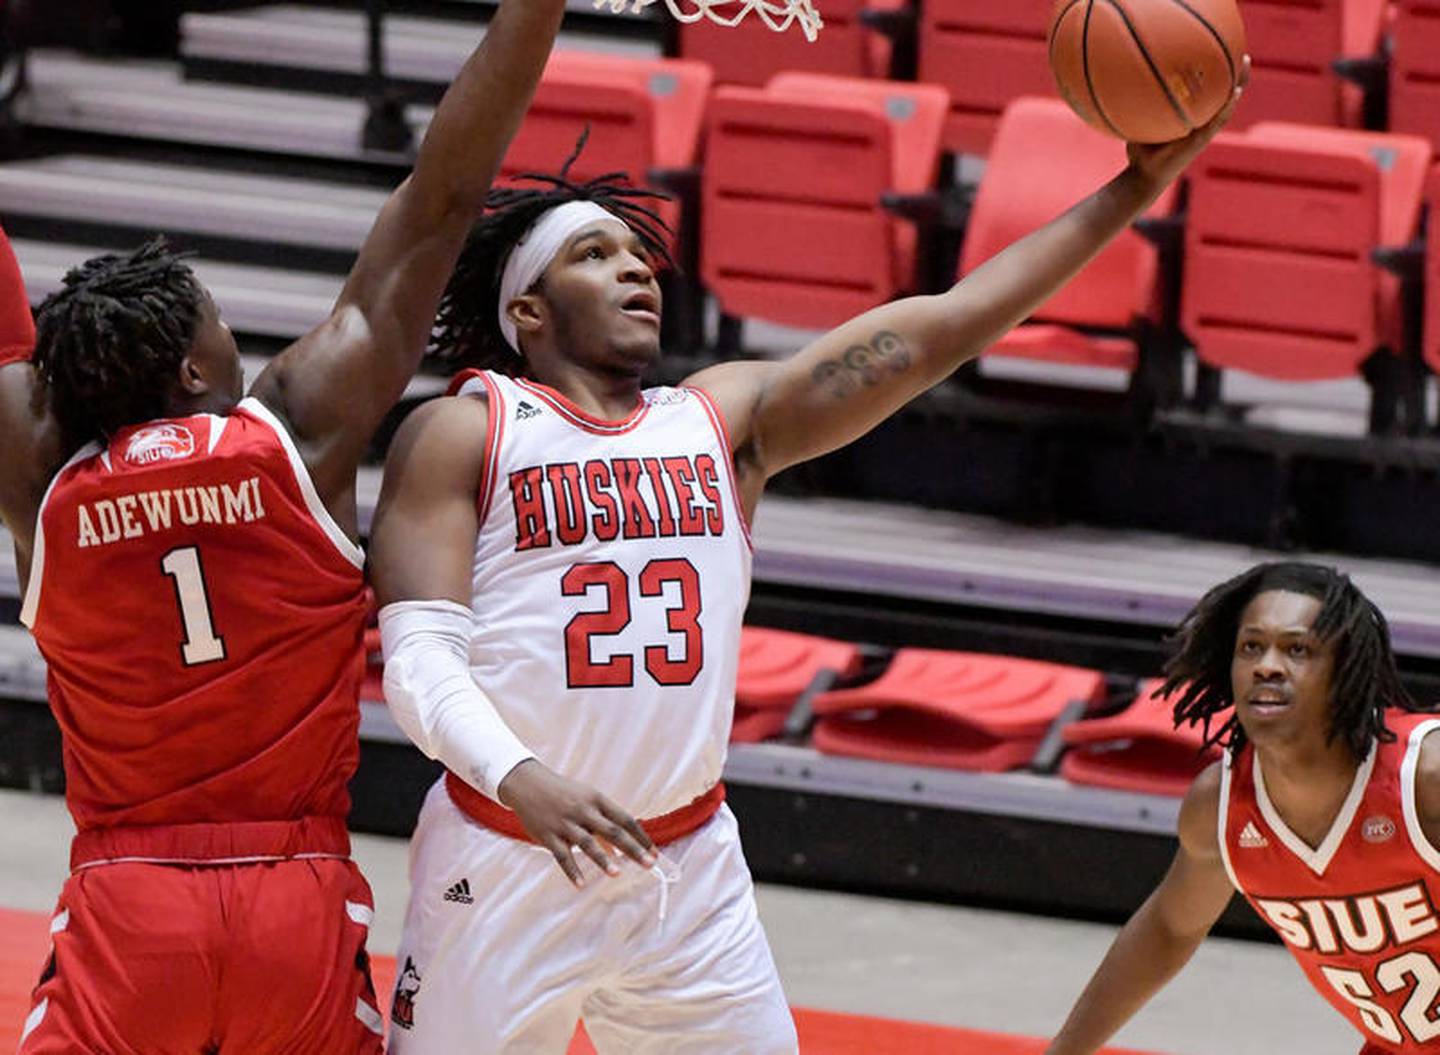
(1146, 70)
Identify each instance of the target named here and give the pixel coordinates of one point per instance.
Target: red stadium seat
(776, 667)
(1292, 44)
(645, 115)
(1415, 69)
(1430, 341)
(985, 54)
(750, 53)
(793, 228)
(1138, 749)
(1280, 229)
(956, 710)
(1023, 188)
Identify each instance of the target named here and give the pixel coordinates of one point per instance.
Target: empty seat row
(953, 710)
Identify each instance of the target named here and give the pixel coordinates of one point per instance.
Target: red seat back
(776, 666)
(1281, 225)
(1138, 749)
(792, 228)
(750, 53)
(1431, 338)
(985, 54)
(959, 710)
(1024, 187)
(1415, 69)
(1278, 277)
(1292, 44)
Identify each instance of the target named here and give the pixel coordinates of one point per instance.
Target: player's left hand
(564, 816)
(1161, 163)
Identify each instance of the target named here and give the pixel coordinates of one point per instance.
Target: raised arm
(422, 546)
(853, 378)
(335, 385)
(29, 436)
(1164, 932)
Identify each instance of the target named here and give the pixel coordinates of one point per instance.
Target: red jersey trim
(342, 542)
(1317, 859)
(30, 606)
(722, 433)
(662, 830)
(494, 436)
(1224, 820)
(579, 418)
(221, 843)
(1408, 802)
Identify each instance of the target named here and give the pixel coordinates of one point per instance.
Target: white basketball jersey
(612, 570)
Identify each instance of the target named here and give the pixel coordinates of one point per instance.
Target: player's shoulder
(1427, 767)
(1199, 822)
(446, 434)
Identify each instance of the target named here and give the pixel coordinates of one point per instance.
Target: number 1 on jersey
(201, 645)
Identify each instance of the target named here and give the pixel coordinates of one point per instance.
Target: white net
(778, 15)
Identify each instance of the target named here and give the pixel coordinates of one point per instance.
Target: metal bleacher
(235, 168)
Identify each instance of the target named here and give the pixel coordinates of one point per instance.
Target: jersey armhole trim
(494, 436)
(722, 433)
(347, 549)
(1222, 822)
(30, 606)
(1408, 806)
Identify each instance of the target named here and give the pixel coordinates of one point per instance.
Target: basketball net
(778, 15)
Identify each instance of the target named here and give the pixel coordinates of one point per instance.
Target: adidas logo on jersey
(460, 893)
(1251, 839)
(526, 410)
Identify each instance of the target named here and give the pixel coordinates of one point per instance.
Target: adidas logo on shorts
(460, 893)
(1250, 837)
(525, 410)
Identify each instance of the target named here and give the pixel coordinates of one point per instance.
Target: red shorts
(157, 959)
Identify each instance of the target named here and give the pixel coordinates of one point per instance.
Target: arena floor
(866, 956)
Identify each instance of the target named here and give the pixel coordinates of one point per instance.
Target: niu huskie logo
(160, 443)
(402, 1008)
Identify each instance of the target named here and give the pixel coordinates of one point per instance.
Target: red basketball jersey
(202, 617)
(1359, 912)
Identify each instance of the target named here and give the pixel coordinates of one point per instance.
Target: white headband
(540, 245)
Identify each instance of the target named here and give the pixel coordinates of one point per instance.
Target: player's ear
(192, 379)
(525, 312)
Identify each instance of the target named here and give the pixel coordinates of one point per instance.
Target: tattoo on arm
(863, 365)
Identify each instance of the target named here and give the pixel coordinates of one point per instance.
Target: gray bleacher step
(142, 99)
(322, 39)
(264, 301)
(1129, 577)
(157, 196)
(267, 302)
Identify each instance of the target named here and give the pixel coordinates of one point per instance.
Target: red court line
(25, 937)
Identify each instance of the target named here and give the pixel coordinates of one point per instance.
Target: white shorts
(501, 954)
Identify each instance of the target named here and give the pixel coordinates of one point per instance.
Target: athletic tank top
(612, 569)
(202, 617)
(1359, 912)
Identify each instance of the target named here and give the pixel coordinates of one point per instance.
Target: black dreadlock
(467, 329)
(1365, 680)
(110, 341)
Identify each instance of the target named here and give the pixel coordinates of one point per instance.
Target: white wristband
(435, 700)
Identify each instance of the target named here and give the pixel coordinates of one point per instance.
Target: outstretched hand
(1162, 162)
(563, 816)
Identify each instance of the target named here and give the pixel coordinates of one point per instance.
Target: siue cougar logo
(407, 985)
(160, 443)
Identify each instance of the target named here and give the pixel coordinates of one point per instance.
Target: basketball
(1148, 71)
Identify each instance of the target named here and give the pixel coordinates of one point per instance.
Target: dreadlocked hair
(110, 341)
(467, 328)
(1365, 680)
